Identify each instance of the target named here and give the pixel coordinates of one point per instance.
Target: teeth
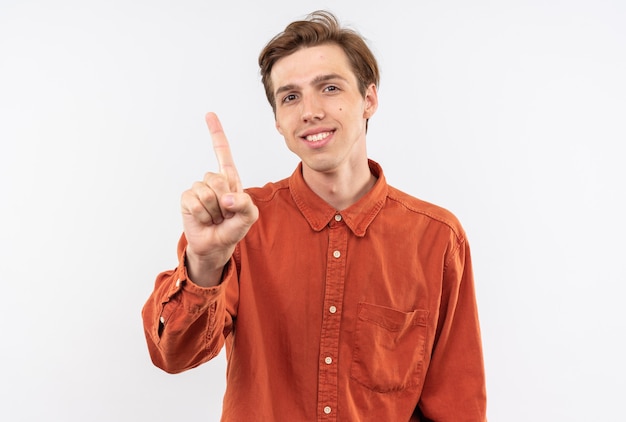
(317, 137)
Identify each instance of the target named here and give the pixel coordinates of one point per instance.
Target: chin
(320, 166)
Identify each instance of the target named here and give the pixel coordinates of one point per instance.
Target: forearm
(454, 388)
(184, 323)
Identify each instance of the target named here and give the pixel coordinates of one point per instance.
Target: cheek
(281, 123)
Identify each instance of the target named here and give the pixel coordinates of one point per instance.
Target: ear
(371, 101)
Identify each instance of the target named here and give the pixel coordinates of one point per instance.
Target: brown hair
(320, 27)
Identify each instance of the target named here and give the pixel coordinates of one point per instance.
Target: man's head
(319, 28)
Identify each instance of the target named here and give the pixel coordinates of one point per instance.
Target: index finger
(222, 152)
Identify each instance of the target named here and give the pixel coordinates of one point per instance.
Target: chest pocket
(389, 348)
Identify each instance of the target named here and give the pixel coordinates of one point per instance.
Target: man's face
(319, 109)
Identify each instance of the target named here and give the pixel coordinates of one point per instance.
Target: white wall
(511, 114)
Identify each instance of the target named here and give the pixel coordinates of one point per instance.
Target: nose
(311, 109)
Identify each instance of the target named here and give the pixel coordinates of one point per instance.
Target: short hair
(320, 27)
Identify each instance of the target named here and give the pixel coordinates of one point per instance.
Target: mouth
(317, 137)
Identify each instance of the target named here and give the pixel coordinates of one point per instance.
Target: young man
(337, 296)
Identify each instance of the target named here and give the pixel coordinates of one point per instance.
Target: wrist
(204, 271)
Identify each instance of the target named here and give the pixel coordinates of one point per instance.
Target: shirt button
(328, 360)
(327, 410)
(332, 309)
(337, 217)
(336, 254)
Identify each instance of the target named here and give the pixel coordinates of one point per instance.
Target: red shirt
(364, 314)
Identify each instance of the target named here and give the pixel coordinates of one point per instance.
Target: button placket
(338, 233)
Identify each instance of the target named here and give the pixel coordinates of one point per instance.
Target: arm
(454, 388)
(186, 313)
(185, 324)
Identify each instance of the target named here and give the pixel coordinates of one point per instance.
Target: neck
(343, 187)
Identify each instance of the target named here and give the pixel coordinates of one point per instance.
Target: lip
(321, 142)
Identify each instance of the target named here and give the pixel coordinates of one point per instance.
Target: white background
(509, 113)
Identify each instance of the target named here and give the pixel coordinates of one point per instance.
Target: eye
(331, 88)
(289, 98)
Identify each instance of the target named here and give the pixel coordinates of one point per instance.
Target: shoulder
(425, 210)
(269, 191)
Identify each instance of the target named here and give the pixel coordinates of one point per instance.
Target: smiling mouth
(318, 136)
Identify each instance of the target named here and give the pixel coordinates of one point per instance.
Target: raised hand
(216, 212)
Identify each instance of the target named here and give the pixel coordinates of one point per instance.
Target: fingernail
(229, 200)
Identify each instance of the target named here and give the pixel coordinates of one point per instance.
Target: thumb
(240, 204)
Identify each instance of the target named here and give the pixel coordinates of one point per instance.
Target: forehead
(306, 64)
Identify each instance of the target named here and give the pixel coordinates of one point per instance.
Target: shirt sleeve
(186, 325)
(454, 388)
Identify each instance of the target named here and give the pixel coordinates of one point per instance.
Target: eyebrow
(317, 80)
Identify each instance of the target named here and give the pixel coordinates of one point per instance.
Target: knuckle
(200, 213)
(205, 194)
(216, 181)
(186, 198)
(212, 177)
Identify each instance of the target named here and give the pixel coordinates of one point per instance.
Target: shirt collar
(319, 213)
